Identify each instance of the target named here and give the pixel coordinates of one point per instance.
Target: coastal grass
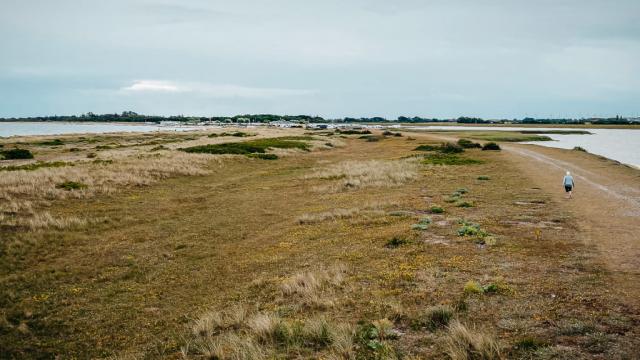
(212, 261)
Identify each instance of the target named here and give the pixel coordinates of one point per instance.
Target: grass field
(342, 248)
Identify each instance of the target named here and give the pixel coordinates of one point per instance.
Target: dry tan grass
(310, 282)
(348, 175)
(264, 325)
(24, 194)
(231, 346)
(213, 322)
(338, 214)
(100, 178)
(464, 344)
(236, 335)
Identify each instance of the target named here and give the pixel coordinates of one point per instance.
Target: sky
(332, 58)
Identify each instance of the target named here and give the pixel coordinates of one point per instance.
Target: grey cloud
(440, 58)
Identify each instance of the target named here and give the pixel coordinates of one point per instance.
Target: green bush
(437, 209)
(483, 177)
(71, 185)
(491, 146)
(471, 229)
(91, 155)
(578, 148)
(247, 147)
(16, 154)
(396, 241)
(264, 156)
(468, 144)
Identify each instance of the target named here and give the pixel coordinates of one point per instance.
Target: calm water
(55, 128)
(618, 144)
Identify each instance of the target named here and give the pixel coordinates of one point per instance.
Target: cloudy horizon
(444, 59)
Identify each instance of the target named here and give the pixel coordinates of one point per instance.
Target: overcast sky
(333, 58)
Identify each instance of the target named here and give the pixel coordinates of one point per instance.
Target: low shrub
(578, 148)
(471, 229)
(264, 156)
(390, 133)
(437, 209)
(371, 138)
(247, 147)
(491, 146)
(483, 178)
(452, 198)
(54, 142)
(74, 149)
(423, 224)
(448, 159)
(396, 242)
(372, 344)
(468, 144)
(462, 191)
(354, 132)
(450, 148)
(427, 147)
(464, 204)
(71, 185)
(16, 154)
(91, 155)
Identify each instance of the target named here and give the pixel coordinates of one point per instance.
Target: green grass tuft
(71, 185)
(437, 209)
(396, 242)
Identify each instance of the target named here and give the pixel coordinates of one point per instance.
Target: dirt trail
(606, 205)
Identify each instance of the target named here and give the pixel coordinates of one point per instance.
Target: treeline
(130, 116)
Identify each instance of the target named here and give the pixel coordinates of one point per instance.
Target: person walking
(568, 183)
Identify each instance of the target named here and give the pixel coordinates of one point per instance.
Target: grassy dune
(354, 249)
